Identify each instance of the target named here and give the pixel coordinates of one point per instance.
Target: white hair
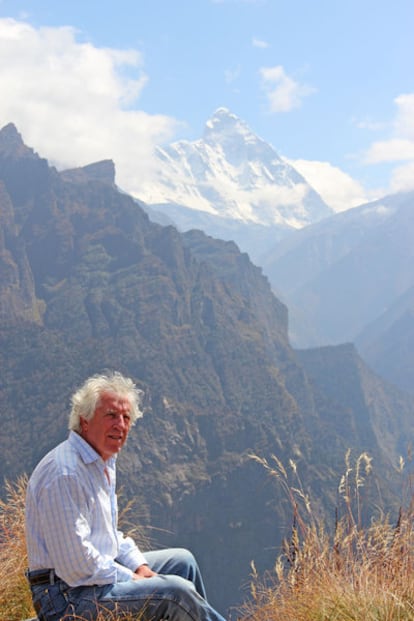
(86, 399)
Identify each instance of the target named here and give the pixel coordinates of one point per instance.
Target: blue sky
(329, 84)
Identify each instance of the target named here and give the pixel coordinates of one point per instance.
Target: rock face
(17, 291)
(88, 283)
(12, 145)
(103, 171)
(387, 342)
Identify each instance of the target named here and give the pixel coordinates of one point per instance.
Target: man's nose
(120, 421)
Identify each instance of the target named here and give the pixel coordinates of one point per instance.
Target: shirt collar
(86, 451)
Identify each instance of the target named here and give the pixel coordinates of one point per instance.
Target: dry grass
(15, 599)
(355, 573)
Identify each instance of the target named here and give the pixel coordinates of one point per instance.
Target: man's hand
(143, 571)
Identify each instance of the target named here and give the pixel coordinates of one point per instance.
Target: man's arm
(79, 556)
(129, 554)
(132, 557)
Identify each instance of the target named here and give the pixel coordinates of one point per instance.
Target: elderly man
(80, 564)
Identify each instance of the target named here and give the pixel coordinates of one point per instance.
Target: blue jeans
(176, 594)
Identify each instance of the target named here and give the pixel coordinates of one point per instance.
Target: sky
(329, 84)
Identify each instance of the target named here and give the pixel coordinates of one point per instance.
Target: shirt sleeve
(129, 554)
(66, 512)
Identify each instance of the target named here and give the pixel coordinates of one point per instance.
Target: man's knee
(184, 556)
(172, 561)
(182, 596)
(170, 597)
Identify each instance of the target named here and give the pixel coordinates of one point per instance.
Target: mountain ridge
(363, 255)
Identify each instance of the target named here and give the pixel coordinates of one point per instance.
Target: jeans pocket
(51, 603)
(84, 601)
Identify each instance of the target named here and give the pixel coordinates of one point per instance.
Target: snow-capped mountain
(232, 175)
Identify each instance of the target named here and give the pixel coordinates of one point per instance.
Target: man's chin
(115, 447)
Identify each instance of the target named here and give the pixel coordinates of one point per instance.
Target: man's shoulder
(62, 460)
(69, 457)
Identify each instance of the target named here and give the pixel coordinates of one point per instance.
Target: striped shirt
(72, 515)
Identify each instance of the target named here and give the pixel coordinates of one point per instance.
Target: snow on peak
(224, 121)
(225, 127)
(234, 174)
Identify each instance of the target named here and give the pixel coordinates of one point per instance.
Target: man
(80, 564)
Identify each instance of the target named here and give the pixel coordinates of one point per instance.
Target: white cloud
(404, 122)
(369, 124)
(268, 204)
(392, 150)
(282, 91)
(399, 147)
(402, 178)
(72, 102)
(338, 189)
(259, 43)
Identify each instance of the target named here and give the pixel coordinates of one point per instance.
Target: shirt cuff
(123, 574)
(129, 564)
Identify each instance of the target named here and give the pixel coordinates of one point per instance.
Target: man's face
(108, 430)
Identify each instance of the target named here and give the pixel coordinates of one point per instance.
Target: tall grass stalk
(15, 599)
(353, 573)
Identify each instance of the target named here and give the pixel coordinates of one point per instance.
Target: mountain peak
(224, 123)
(233, 175)
(222, 115)
(11, 142)
(103, 171)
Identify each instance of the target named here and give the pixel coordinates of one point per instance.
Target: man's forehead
(112, 399)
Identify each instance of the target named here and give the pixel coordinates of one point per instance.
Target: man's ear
(83, 423)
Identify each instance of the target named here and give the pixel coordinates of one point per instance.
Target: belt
(41, 576)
